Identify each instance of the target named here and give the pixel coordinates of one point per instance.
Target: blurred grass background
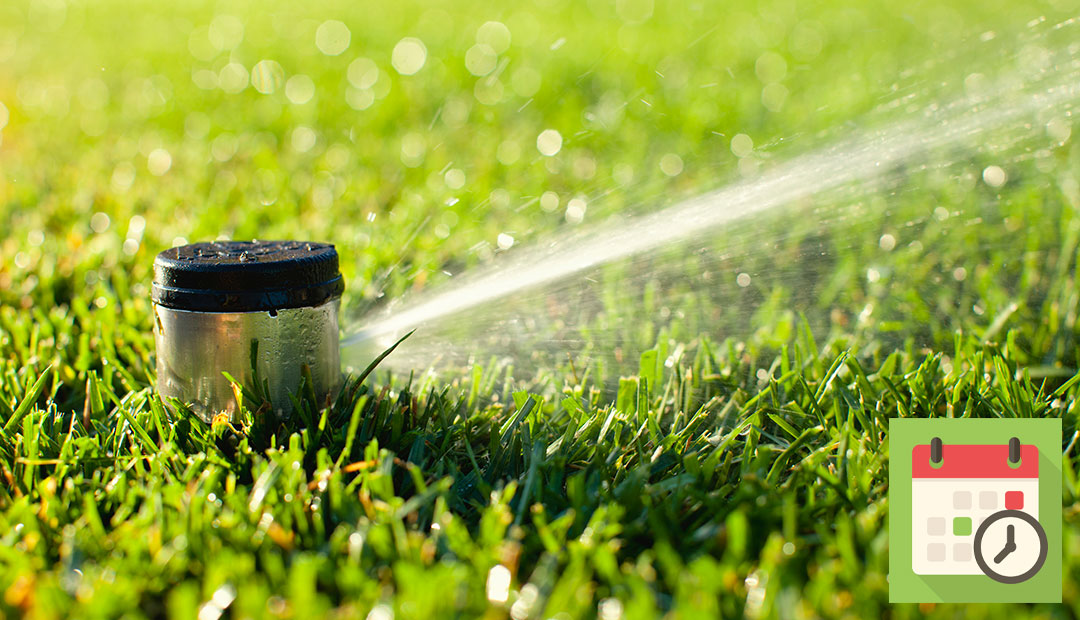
(128, 127)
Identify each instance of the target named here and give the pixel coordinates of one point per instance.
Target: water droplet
(267, 76)
(409, 56)
(504, 241)
(481, 59)
(1058, 129)
(508, 152)
(299, 89)
(495, 35)
(575, 210)
(363, 73)
(742, 145)
(634, 11)
(233, 78)
(454, 178)
(413, 148)
(498, 584)
(549, 201)
(743, 280)
(99, 222)
(225, 32)
(381, 612)
(671, 165)
(994, 176)
(773, 97)
(158, 162)
(525, 81)
(887, 242)
(123, 176)
(770, 67)
(549, 142)
(303, 139)
(332, 37)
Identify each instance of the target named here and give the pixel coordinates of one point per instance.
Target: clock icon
(1010, 546)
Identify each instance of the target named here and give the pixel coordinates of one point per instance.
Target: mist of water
(706, 265)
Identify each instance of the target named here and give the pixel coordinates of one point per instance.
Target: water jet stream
(869, 155)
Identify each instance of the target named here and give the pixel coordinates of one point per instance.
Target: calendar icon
(975, 510)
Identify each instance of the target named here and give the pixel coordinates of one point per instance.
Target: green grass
(749, 477)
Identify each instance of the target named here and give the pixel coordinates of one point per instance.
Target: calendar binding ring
(937, 451)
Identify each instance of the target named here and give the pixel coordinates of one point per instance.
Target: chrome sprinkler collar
(258, 310)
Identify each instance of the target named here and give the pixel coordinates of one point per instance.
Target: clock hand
(1010, 544)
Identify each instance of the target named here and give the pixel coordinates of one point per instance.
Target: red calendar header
(974, 461)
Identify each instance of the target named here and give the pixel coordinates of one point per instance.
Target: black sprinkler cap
(246, 276)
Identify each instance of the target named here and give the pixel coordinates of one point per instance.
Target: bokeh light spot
(409, 56)
(549, 142)
(332, 37)
(267, 76)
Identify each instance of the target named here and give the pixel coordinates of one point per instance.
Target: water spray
(265, 312)
(534, 303)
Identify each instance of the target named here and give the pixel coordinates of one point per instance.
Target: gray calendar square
(935, 526)
(961, 552)
(988, 500)
(961, 500)
(935, 552)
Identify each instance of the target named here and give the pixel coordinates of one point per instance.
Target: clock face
(1010, 546)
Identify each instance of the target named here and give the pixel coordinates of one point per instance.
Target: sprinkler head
(258, 310)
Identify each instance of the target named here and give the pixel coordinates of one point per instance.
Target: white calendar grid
(949, 502)
(936, 550)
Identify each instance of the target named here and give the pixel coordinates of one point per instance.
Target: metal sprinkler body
(258, 310)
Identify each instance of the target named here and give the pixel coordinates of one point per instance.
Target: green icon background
(907, 587)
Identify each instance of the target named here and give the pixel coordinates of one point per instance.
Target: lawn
(725, 455)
